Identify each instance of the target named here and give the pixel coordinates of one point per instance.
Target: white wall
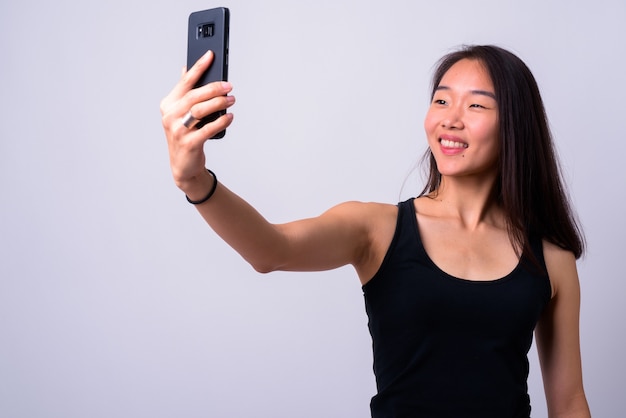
(117, 301)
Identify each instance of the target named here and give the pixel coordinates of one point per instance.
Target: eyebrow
(480, 92)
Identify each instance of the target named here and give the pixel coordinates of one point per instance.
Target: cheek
(486, 131)
(429, 124)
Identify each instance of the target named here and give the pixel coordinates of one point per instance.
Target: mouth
(448, 143)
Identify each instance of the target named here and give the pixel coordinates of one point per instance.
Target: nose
(452, 119)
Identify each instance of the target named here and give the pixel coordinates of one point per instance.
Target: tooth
(453, 144)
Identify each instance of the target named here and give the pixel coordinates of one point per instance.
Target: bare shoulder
(379, 215)
(368, 216)
(561, 265)
(356, 207)
(378, 221)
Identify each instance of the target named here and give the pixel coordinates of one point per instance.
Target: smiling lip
(452, 145)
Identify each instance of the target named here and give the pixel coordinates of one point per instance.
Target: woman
(456, 280)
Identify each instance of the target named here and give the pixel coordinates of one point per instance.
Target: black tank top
(445, 346)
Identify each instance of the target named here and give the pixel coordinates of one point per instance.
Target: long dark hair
(529, 186)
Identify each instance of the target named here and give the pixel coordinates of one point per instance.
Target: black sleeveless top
(445, 346)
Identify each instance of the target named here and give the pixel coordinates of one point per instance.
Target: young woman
(456, 280)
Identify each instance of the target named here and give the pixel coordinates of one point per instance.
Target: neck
(469, 199)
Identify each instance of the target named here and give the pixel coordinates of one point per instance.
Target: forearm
(576, 407)
(237, 223)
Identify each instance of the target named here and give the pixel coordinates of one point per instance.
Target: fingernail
(226, 85)
(207, 56)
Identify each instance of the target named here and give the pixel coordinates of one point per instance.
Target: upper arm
(350, 233)
(558, 340)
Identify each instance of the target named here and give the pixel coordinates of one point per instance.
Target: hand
(186, 145)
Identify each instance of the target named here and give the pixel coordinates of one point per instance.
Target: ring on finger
(189, 120)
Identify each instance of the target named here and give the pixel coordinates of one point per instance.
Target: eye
(440, 102)
(476, 105)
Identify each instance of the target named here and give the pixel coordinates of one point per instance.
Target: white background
(117, 301)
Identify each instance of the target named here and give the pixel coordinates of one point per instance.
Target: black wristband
(198, 202)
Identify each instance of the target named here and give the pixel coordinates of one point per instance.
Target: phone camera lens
(206, 30)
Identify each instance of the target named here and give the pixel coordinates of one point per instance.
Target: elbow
(262, 267)
(269, 257)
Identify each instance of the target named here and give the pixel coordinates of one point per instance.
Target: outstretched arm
(343, 235)
(558, 338)
(336, 238)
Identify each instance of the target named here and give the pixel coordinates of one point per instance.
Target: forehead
(467, 74)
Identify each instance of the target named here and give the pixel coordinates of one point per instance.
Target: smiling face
(462, 122)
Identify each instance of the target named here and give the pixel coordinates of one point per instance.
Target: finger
(173, 110)
(208, 107)
(212, 128)
(189, 78)
(206, 93)
(198, 97)
(194, 139)
(181, 126)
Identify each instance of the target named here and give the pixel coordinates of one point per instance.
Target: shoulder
(363, 208)
(561, 266)
(367, 215)
(369, 219)
(377, 221)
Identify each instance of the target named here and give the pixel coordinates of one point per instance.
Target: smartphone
(208, 30)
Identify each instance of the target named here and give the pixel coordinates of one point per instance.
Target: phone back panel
(208, 30)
